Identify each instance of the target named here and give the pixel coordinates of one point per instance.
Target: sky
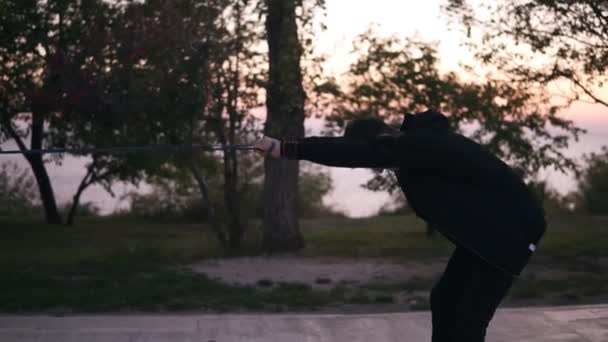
(345, 19)
(422, 19)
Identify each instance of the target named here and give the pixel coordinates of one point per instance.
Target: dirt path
(357, 284)
(317, 272)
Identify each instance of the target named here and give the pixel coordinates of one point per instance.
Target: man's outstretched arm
(335, 151)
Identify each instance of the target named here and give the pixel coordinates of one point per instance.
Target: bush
(87, 209)
(168, 201)
(18, 191)
(314, 185)
(592, 193)
(552, 201)
(180, 199)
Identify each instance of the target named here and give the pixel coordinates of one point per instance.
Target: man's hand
(269, 147)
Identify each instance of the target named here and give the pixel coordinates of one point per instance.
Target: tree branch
(598, 12)
(588, 92)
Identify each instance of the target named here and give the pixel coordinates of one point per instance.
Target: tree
(174, 196)
(164, 57)
(177, 198)
(285, 118)
(542, 41)
(190, 74)
(592, 192)
(41, 45)
(394, 76)
(234, 94)
(95, 174)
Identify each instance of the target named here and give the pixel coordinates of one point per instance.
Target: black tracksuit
(467, 194)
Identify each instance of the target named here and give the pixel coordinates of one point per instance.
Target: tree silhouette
(542, 41)
(394, 76)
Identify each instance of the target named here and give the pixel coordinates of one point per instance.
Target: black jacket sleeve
(343, 152)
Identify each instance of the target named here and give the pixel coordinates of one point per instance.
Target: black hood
(425, 120)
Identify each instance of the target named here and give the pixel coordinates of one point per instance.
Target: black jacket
(450, 181)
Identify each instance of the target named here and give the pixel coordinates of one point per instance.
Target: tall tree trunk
(214, 222)
(47, 196)
(231, 196)
(235, 227)
(74, 206)
(88, 179)
(42, 178)
(285, 104)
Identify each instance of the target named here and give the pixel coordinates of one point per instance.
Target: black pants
(466, 297)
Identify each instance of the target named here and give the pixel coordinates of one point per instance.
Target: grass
(387, 236)
(583, 288)
(158, 291)
(126, 244)
(125, 265)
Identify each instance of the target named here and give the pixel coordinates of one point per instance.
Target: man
(459, 188)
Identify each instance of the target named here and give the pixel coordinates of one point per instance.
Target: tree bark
(285, 119)
(231, 166)
(88, 179)
(47, 196)
(215, 224)
(42, 178)
(45, 188)
(231, 196)
(235, 228)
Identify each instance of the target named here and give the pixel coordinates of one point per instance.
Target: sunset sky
(345, 20)
(425, 20)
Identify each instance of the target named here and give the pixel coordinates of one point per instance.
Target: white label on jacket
(532, 247)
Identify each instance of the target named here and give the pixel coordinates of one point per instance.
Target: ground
(321, 272)
(385, 284)
(349, 265)
(564, 324)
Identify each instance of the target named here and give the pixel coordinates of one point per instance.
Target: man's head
(367, 128)
(429, 120)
